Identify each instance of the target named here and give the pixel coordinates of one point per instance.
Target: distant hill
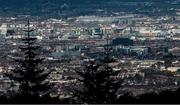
(77, 7)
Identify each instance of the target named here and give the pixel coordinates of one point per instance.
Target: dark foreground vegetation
(165, 97)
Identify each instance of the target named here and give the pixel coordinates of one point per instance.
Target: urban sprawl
(146, 49)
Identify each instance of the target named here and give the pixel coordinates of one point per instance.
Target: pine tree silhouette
(99, 82)
(168, 58)
(30, 76)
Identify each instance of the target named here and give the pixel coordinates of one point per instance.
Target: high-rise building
(3, 29)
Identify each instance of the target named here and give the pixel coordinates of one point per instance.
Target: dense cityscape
(145, 47)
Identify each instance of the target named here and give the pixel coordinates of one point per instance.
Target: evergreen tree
(168, 59)
(99, 82)
(28, 72)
